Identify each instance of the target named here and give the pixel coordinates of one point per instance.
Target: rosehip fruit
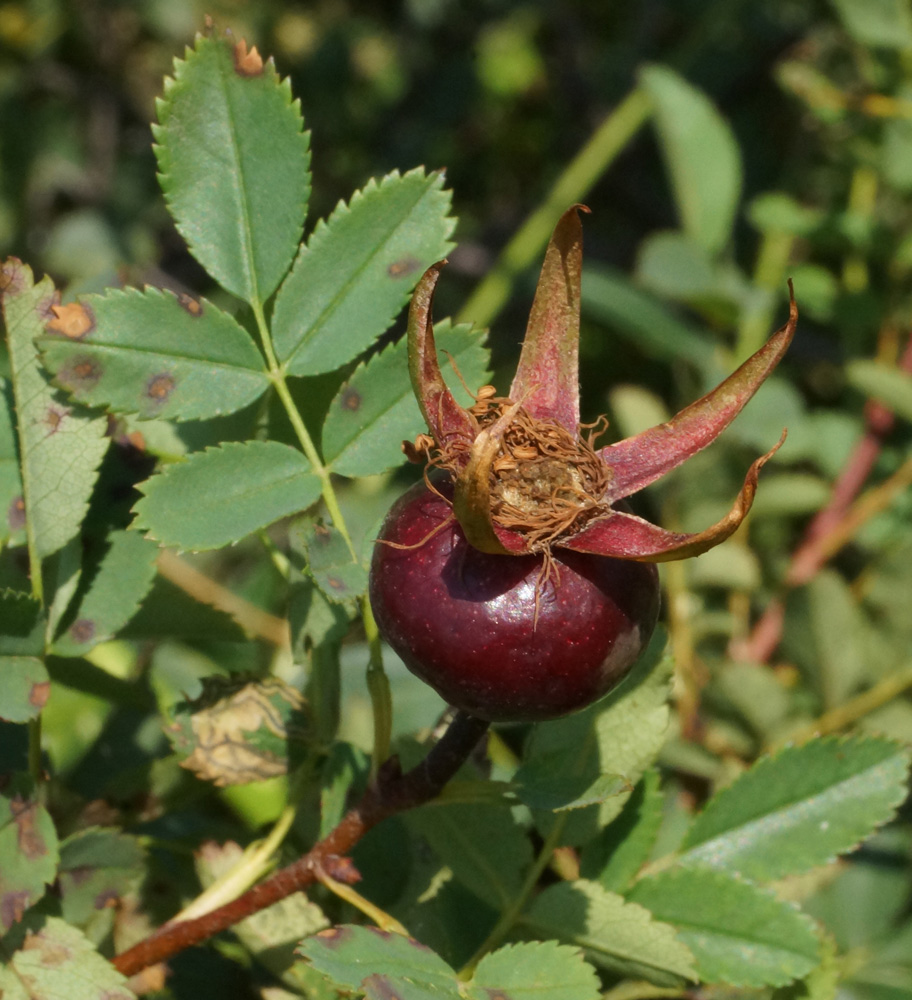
(493, 634)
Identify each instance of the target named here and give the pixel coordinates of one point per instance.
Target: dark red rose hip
(465, 621)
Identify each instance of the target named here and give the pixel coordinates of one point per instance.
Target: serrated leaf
(97, 869)
(376, 410)
(623, 847)
(60, 448)
(48, 959)
(886, 383)
(701, 156)
(357, 269)
(28, 849)
(11, 519)
(155, 354)
(24, 688)
(619, 736)
(800, 808)
(379, 963)
(487, 850)
(234, 163)
(122, 580)
(540, 970)
(614, 933)
(739, 934)
(329, 559)
(23, 625)
(220, 495)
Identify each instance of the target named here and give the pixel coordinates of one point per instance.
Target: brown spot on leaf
(82, 630)
(15, 514)
(12, 281)
(380, 987)
(74, 320)
(38, 696)
(54, 417)
(322, 534)
(190, 304)
(247, 63)
(332, 937)
(137, 439)
(25, 813)
(336, 583)
(351, 399)
(400, 268)
(80, 374)
(12, 906)
(106, 900)
(53, 953)
(160, 387)
(497, 995)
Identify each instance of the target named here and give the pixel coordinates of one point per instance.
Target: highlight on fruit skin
(476, 579)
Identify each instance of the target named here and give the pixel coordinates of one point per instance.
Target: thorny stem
(834, 525)
(391, 794)
(573, 184)
(377, 681)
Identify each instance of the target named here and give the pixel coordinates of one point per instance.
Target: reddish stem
(393, 793)
(813, 551)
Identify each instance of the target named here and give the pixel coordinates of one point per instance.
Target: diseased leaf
(219, 495)
(487, 850)
(329, 559)
(11, 509)
(614, 933)
(28, 847)
(122, 580)
(24, 687)
(380, 964)
(800, 808)
(739, 934)
(701, 156)
(48, 959)
(619, 737)
(376, 410)
(539, 970)
(234, 164)
(356, 271)
(155, 354)
(60, 448)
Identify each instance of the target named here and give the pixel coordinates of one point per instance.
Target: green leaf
(619, 737)
(380, 964)
(28, 847)
(376, 410)
(623, 847)
(24, 687)
(329, 559)
(154, 353)
(23, 625)
(487, 850)
(609, 297)
(234, 165)
(11, 519)
(357, 269)
(122, 580)
(882, 382)
(701, 156)
(97, 869)
(539, 970)
(800, 808)
(739, 934)
(614, 933)
(60, 448)
(219, 495)
(883, 23)
(47, 959)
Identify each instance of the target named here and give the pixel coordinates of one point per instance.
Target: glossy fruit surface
(465, 621)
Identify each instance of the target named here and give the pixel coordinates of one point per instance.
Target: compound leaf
(219, 495)
(60, 448)
(376, 410)
(616, 934)
(153, 353)
(800, 808)
(739, 934)
(357, 269)
(234, 164)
